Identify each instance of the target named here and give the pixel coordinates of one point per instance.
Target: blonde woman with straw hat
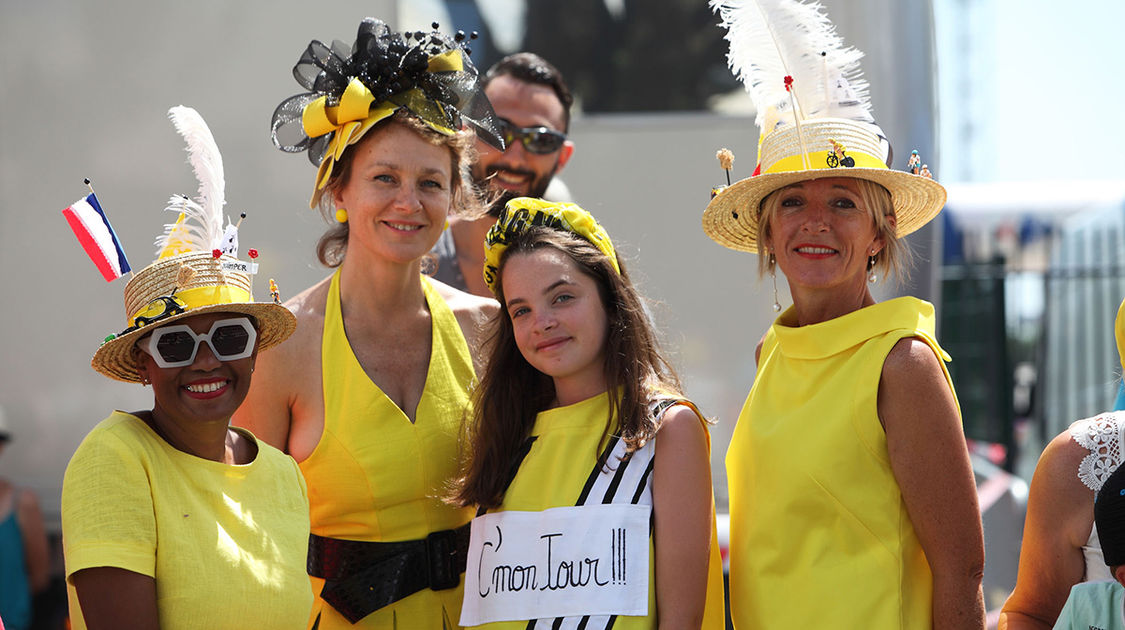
(172, 518)
(852, 498)
(369, 395)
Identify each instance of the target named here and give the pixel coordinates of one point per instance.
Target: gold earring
(341, 215)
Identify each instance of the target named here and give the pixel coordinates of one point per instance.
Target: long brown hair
(511, 392)
(333, 244)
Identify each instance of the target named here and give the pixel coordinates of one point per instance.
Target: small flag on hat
(97, 237)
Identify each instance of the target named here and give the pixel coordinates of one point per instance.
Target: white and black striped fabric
(613, 480)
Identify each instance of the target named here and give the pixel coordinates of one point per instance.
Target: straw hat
(815, 117)
(197, 283)
(731, 219)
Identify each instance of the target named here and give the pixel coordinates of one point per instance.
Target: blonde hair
(894, 260)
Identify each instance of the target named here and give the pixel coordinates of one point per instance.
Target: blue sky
(1056, 85)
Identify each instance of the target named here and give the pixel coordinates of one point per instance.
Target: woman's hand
(930, 461)
(113, 598)
(684, 509)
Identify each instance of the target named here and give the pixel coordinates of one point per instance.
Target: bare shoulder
(1056, 474)
(287, 381)
(309, 304)
(308, 308)
(473, 312)
(681, 422)
(909, 359)
(914, 396)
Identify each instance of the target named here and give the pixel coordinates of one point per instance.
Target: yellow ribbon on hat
(818, 160)
(349, 120)
(522, 213)
(188, 299)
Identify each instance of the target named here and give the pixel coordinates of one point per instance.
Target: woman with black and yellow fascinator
(369, 394)
(852, 498)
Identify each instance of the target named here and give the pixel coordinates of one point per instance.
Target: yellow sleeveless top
(562, 469)
(374, 475)
(820, 537)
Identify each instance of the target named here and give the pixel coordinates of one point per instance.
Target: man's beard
(501, 196)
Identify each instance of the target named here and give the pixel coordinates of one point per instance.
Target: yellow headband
(522, 213)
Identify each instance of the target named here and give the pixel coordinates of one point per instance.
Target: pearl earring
(773, 274)
(873, 278)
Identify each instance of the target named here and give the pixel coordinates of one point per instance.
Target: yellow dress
(820, 537)
(374, 475)
(562, 468)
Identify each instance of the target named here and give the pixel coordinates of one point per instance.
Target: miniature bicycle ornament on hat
(197, 271)
(350, 90)
(814, 116)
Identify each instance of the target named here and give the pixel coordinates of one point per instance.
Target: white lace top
(1103, 436)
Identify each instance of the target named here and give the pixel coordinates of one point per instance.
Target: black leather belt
(362, 577)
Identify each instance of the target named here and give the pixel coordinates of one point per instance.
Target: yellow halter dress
(376, 476)
(820, 537)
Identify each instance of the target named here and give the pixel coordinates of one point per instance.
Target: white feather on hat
(812, 107)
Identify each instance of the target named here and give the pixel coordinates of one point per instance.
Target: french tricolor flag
(97, 237)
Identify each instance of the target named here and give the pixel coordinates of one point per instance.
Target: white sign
(561, 562)
(240, 266)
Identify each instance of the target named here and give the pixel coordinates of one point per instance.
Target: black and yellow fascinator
(351, 88)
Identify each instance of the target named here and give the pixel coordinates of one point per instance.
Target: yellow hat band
(827, 159)
(189, 299)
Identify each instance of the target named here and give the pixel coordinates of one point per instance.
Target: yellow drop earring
(341, 215)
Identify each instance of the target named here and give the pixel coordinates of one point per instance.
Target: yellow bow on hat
(354, 115)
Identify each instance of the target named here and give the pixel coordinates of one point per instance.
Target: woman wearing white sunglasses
(171, 517)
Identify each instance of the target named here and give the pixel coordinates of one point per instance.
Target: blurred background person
(24, 561)
(532, 104)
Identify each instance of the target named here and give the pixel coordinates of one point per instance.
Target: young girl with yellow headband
(590, 470)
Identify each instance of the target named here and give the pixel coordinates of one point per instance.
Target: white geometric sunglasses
(176, 346)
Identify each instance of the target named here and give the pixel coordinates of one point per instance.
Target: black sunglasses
(540, 140)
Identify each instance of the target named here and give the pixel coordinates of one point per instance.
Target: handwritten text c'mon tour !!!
(560, 573)
(582, 560)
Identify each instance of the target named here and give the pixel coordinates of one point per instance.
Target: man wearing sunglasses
(532, 103)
